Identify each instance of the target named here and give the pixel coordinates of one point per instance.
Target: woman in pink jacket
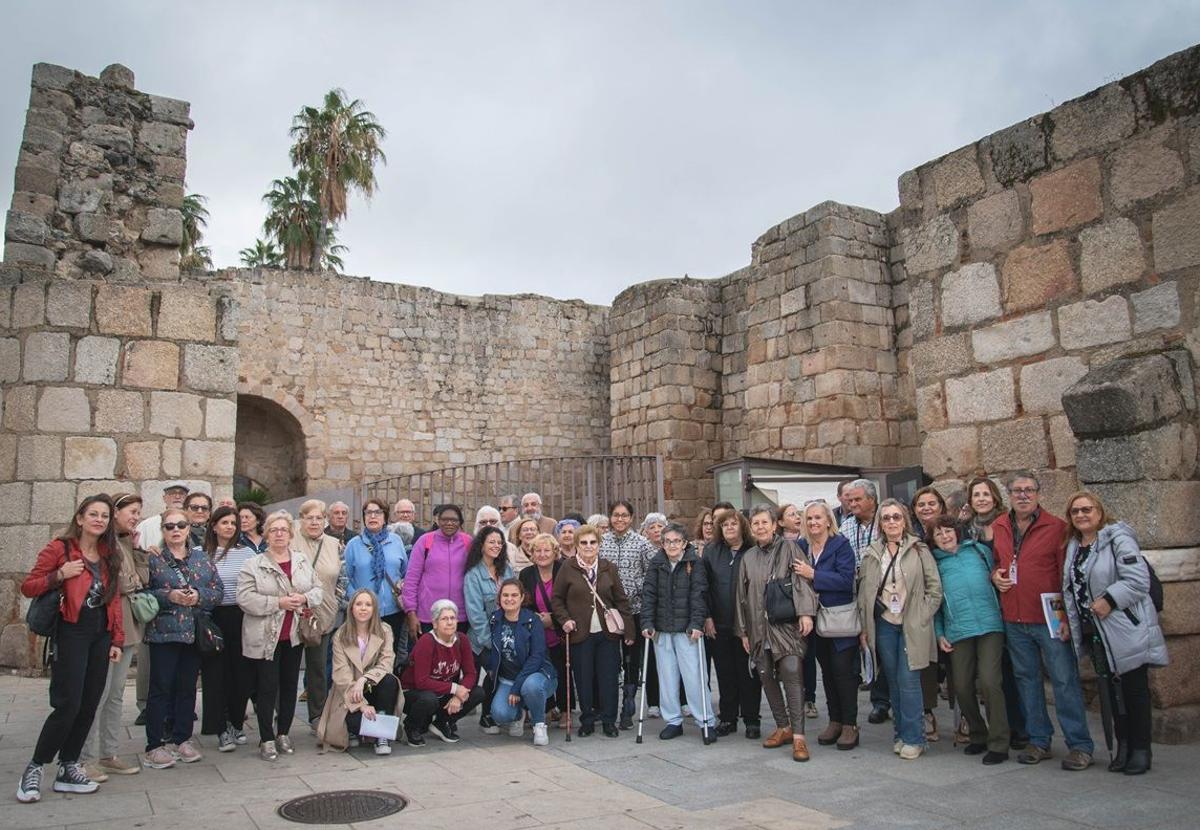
(436, 568)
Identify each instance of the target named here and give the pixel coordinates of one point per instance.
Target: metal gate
(580, 484)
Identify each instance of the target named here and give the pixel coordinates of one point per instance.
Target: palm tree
(293, 219)
(338, 145)
(264, 254)
(193, 255)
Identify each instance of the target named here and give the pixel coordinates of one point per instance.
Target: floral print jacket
(177, 623)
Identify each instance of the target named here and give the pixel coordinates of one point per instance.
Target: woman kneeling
(519, 660)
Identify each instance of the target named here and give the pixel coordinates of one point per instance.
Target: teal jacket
(970, 606)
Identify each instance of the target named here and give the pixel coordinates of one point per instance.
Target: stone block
(163, 227)
(118, 410)
(164, 139)
(19, 545)
(970, 295)
(984, 396)
(142, 460)
(220, 418)
(955, 177)
(96, 360)
(1033, 275)
(52, 76)
(1018, 151)
(1176, 242)
(37, 180)
(939, 357)
(64, 409)
(789, 304)
(25, 227)
(208, 459)
(1021, 337)
(1144, 168)
(53, 501)
(123, 310)
(1180, 601)
(931, 407)
(1110, 254)
(37, 139)
(950, 452)
(85, 195)
(176, 414)
(93, 227)
(29, 305)
(1091, 122)
(151, 364)
(47, 356)
(35, 204)
(1066, 198)
(20, 408)
(931, 246)
(210, 368)
(10, 360)
(185, 314)
(1094, 322)
(1173, 688)
(1164, 512)
(89, 458)
(35, 256)
(228, 312)
(96, 262)
(172, 458)
(69, 304)
(109, 136)
(1156, 308)
(116, 75)
(1062, 441)
(17, 646)
(39, 458)
(170, 110)
(1163, 453)
(994, 223)
(1014, 445)
(1126, 395)
(1043, 383)
(909, 187)
(15, 497)
(921, 312)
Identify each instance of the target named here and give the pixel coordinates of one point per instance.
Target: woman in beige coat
(899, 591)
(274, 589)
(325, 554)
(363, 682)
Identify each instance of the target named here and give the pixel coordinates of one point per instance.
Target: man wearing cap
(150, 529)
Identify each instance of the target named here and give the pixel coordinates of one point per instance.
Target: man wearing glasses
(1030, 549)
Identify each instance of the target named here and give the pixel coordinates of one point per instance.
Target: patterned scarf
(374, 543)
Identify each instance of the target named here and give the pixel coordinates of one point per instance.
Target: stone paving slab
(502, 783)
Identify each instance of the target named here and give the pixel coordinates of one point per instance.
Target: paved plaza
(502, 783)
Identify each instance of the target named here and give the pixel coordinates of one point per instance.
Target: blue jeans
(534, 692)
(904, 684)
(1031, 647)
(678, 657)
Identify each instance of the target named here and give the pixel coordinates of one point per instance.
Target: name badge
(894, 603)
(1012, 572)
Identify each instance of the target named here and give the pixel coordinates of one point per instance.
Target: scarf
(374, 543)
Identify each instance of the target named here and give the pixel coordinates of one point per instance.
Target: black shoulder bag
(778, 603)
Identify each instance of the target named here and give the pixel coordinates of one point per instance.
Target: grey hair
(868, 487)
(596, 517)
(339, 504)
(653, 519)
(676, 527)
(516, 502)
(486, 512)
(532, 493)
(442, 605)
(764, 508)
(1026, 474)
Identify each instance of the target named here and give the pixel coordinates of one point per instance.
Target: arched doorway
(269, 449)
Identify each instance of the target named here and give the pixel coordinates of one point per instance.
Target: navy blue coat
(833, 578)
(530, 650)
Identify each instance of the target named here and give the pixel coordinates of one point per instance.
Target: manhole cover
(342, 807)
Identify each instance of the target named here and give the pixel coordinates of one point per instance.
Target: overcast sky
(571, 148)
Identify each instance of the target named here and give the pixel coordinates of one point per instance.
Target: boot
(1138, 763)
(849, 737)
(780, 737)
(799, 748)
(830, 735)
(1119, 761)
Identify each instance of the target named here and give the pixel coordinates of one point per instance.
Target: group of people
(535, 621)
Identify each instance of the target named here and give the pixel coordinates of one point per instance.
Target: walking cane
(646, 646)
(567, 640)
(704, 693)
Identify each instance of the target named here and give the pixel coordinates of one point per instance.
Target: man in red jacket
(1030, 547)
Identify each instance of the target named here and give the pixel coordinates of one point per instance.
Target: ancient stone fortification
(1060, 256)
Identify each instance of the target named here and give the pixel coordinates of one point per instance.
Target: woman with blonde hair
(363, 681)
(521, 534)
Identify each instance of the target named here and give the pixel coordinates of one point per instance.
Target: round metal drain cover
(342, 807)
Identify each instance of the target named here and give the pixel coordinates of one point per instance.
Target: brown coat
(757, 567)
(348, 667)
(572, 598)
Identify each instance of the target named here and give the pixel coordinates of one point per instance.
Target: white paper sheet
(384, 726)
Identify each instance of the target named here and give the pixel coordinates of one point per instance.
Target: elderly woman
(250, 526)
(376, 560)
(652, 528)
(363, 682)
(631, 552)
(586, 589)
(564, 534)
(436, 569)
(525, 677)
(1111, 619)
(520, 535)
(274, 589)
(226, 675)
(927, 507)
(186, 585)
(440, 679)
(775, 610)
(325, 555)
(537, 582)
(599, 521)
(899, 591)
(791, 527)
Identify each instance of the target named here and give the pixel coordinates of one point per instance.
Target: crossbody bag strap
(891, 567)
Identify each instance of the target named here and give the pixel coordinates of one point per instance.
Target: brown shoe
(799, 748)
(780, 737)
(830, 735)
(849, 737)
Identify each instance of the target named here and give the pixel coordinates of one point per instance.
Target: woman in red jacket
(83, 565)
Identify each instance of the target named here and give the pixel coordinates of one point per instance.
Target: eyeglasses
(372, 512)
(586, 542)
(198, 508)
(674, 542)
(279, 530)
(1082, 511)
(621, 516)
(489, 522)
(891, 517)
(1023, 491)
(175, 526)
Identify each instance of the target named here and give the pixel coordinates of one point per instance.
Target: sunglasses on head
(174, 526)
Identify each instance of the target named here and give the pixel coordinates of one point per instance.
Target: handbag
(778, 602)
(144, 606)
(838, 621)
(44, 613)
(308, 628)
(209, 639)
(613, 620)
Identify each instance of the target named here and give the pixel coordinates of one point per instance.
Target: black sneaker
(992, 758)
(753, 732)
(626, 722)
(878, 715)
(975, 749)
(726, 728)
(610, 731)
(443, 731)
(672, 730)
(414, 737)
(72, 779)
(30, 788)
(140, 720)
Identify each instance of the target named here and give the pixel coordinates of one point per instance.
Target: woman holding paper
(1106, 591)
(364, 686)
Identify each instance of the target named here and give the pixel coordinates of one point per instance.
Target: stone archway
(270, 448)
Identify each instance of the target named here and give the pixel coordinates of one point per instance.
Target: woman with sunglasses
(185, 583)
(899, 591)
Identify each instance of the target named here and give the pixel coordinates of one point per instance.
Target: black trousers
(421, 707)
(398, 622)
(277, 678)
(739, 688)
(810, 670)
(840, 678)
(174, 668)
(596, 663)
(488, 685)
(227, 676)
(382, 696)
(1134, 726)
(77, 678)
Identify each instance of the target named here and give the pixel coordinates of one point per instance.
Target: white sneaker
(897, 746)
(383, 747)
(654, 712)
(909, 752)
(517, 728)
(540, 738)
(687, 711)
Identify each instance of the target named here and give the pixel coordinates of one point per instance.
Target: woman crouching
(518, 659)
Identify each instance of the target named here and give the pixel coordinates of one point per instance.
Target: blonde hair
(823, 506)
(310, 505)
(1104, 518)
(279, 515)
(543, 539)
(348, 634)
(587, 530)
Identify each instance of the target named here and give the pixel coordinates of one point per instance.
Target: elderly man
(339, 522)
(1030, 547)
(150, 529)
(404, 522)
(509, 509)
(531, 508)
